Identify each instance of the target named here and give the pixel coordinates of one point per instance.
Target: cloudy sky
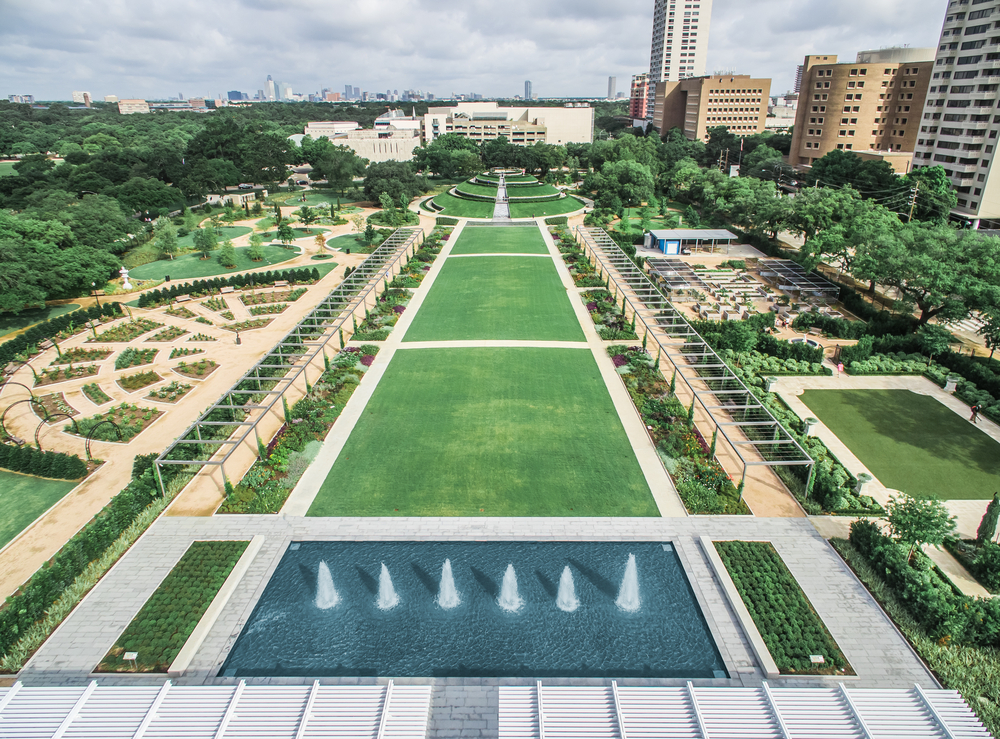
(159, 48)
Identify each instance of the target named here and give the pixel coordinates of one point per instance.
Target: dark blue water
(287, 635)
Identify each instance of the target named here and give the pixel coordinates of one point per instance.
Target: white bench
(227, 290)
(281, 283)
(183, 298)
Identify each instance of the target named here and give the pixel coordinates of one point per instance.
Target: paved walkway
(878, 653)
(969, 512)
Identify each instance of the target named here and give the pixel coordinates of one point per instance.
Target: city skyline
(153, 53)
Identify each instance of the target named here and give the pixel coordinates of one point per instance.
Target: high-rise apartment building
(870, 105)
(638, 102)
(527, 89)
(736, 101)
(797, 87)
(960, 120)
(680, 42)
(612, 83)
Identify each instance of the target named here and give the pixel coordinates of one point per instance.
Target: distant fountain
(326, 594)
(448, 595)
(628, 593)
(509, 600)
(567, 600)
(387, 597)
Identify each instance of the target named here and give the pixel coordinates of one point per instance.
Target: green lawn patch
(190, 266)
(9, 323)
(159, 630)
(300, 233)
(512, 240)
(225, 232)
(473, 189)
(539, 190)
(345, 242)
(463, 208)
(786, 620)
(496, 298)
(488, 432)
(7, 169)
(568, 204)
(24, 498)
(911, 442)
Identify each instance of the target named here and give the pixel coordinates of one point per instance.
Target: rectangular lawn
(517, 298)
(500, 240)
(911, 442)
(24, 498)
(488, 432)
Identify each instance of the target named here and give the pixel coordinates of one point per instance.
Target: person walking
(976, 409)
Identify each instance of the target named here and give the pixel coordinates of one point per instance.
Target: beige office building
(870, 105)
(738, 102)
(127, 107)
(486, 121)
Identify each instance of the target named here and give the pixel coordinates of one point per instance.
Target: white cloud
(156, 49)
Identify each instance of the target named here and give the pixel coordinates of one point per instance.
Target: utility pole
(913, 201)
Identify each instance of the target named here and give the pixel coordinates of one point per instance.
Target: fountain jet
(628, 593)
(448, 595)
(567, 600)
(326, 595)
(387, 597)
(509, 599)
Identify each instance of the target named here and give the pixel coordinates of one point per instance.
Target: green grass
(513, 240)
(165, 622)
(487, 432)
(347, 241)
(191, 266)
(225, 232)
(7, 169)
(496, 298)
(568, 204)
(24, 498)
(474, 189)
(463, 208)
(313, 198)
(532, 191)
(9, 323)
(911, 442)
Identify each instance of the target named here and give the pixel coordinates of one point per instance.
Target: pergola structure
(228, 423)
(790, 277)
(676, 274)
(753, 433)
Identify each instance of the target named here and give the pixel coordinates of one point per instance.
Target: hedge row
(245, 279)
(52, 327)
(940, 608)
(33, 461)
(48, 583)
(557, 221)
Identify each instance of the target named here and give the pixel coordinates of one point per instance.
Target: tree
(227, 254)
(988, 526)
(395, 178)
(308, 216)
(915, 521)
(629, 180)
(870, 178)
(935, 195)
(320, 242)
(338, 165)
(990, 330)
(388, 210)
(165, 238)
(206, 240)
(934, 339)
(358, 223)
(256, 250)
(286, 235)
(369, 234)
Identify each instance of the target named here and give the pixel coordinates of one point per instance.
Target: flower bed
(81, 354)
(132, 357)
(61, 374)
(228, 315)
(216, 304)
(179, 311)
(202, 337)
(765, 364)
(209, 287)
(786, 620)
(168, 334)
(95, 394)
(202, 319)
(165, 622)
(199, 370)
(289, 296)
(137, 381)
(701, 482)
(270, 480)
(170, 393)
(183, 351)
(127, 331)
(269, 308)
(608, 317)
(247, 325)
(55, 403)
(583, 272)
(131, 420)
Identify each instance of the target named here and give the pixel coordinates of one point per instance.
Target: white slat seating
(215, 712)
(735, 713)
